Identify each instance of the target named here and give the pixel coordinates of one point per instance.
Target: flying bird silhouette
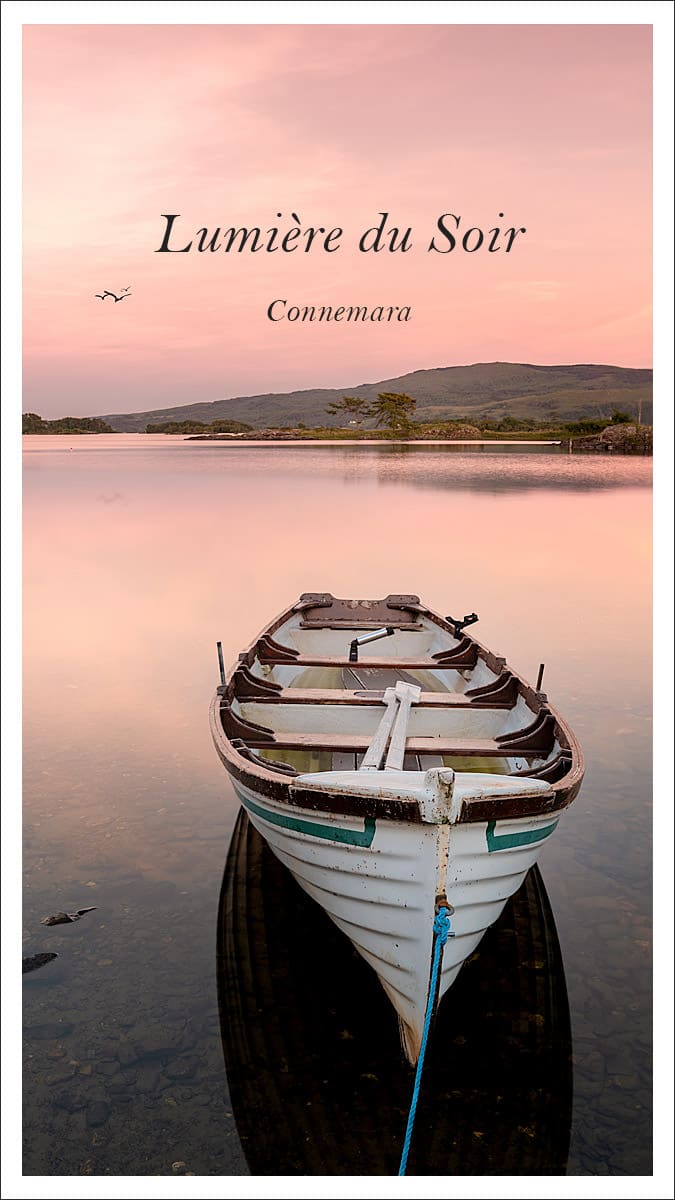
(123, 296)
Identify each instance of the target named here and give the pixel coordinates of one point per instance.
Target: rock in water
(36, 961)
(97, 1113)
(62, 918)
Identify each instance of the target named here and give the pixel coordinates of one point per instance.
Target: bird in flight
(124, 293)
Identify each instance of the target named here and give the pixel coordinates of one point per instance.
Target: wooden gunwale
(275, 786)
(402, 664)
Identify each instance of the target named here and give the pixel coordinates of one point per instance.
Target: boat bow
(440, 793)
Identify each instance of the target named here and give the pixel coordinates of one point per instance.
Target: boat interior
(342, 684)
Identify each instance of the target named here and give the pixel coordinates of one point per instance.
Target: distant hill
(483, 390)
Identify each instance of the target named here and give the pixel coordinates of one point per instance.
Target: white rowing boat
(398, 769)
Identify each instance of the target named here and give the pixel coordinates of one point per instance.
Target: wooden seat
(358, 744)
(270, 653)
(534, 741)
(404, 664)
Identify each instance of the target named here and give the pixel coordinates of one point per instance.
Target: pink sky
(228, 125)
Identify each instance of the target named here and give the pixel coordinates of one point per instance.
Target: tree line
(32, 423)
(395, 411)
(199, 427)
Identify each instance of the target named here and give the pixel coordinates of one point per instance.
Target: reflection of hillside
(316, 1077)
(490, 470)
(448, 468)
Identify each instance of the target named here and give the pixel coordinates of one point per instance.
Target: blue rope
(441, 935)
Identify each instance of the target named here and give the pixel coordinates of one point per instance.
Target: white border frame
(14, 16)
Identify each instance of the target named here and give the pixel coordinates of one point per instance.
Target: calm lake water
(139, 554)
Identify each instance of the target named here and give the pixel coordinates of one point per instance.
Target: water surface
(139, 554)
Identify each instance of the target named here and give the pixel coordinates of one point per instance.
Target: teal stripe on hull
(506, 841)
(331, 833)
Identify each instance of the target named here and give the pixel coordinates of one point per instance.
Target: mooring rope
(441, 935)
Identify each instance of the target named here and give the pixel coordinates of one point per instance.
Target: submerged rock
(61, 1074)
(69, 1100)
(97, 1113)
(63, 918)
(182, 1068)
(50, 1030)
(36, 961)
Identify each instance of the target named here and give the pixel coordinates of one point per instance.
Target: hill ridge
(525, 390)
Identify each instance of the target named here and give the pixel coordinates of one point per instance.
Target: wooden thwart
(534, 741)
(392, 664)
(359, 744)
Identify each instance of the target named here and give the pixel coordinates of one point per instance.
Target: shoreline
(234, 440)
(138, 441)
(249, 440)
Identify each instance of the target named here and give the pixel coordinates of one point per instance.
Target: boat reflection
(317, 1080)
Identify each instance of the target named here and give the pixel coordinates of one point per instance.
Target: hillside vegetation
(474, 394)
(198, 427)
(32, 423)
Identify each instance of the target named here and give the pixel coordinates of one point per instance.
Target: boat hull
(395, 766)
(380, 880)
(308, 1035)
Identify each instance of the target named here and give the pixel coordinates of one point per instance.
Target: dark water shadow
(317, 1081)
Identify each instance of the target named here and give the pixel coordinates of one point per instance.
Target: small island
(32, 423)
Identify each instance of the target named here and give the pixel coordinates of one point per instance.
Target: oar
(407, 694)
(373, 756)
